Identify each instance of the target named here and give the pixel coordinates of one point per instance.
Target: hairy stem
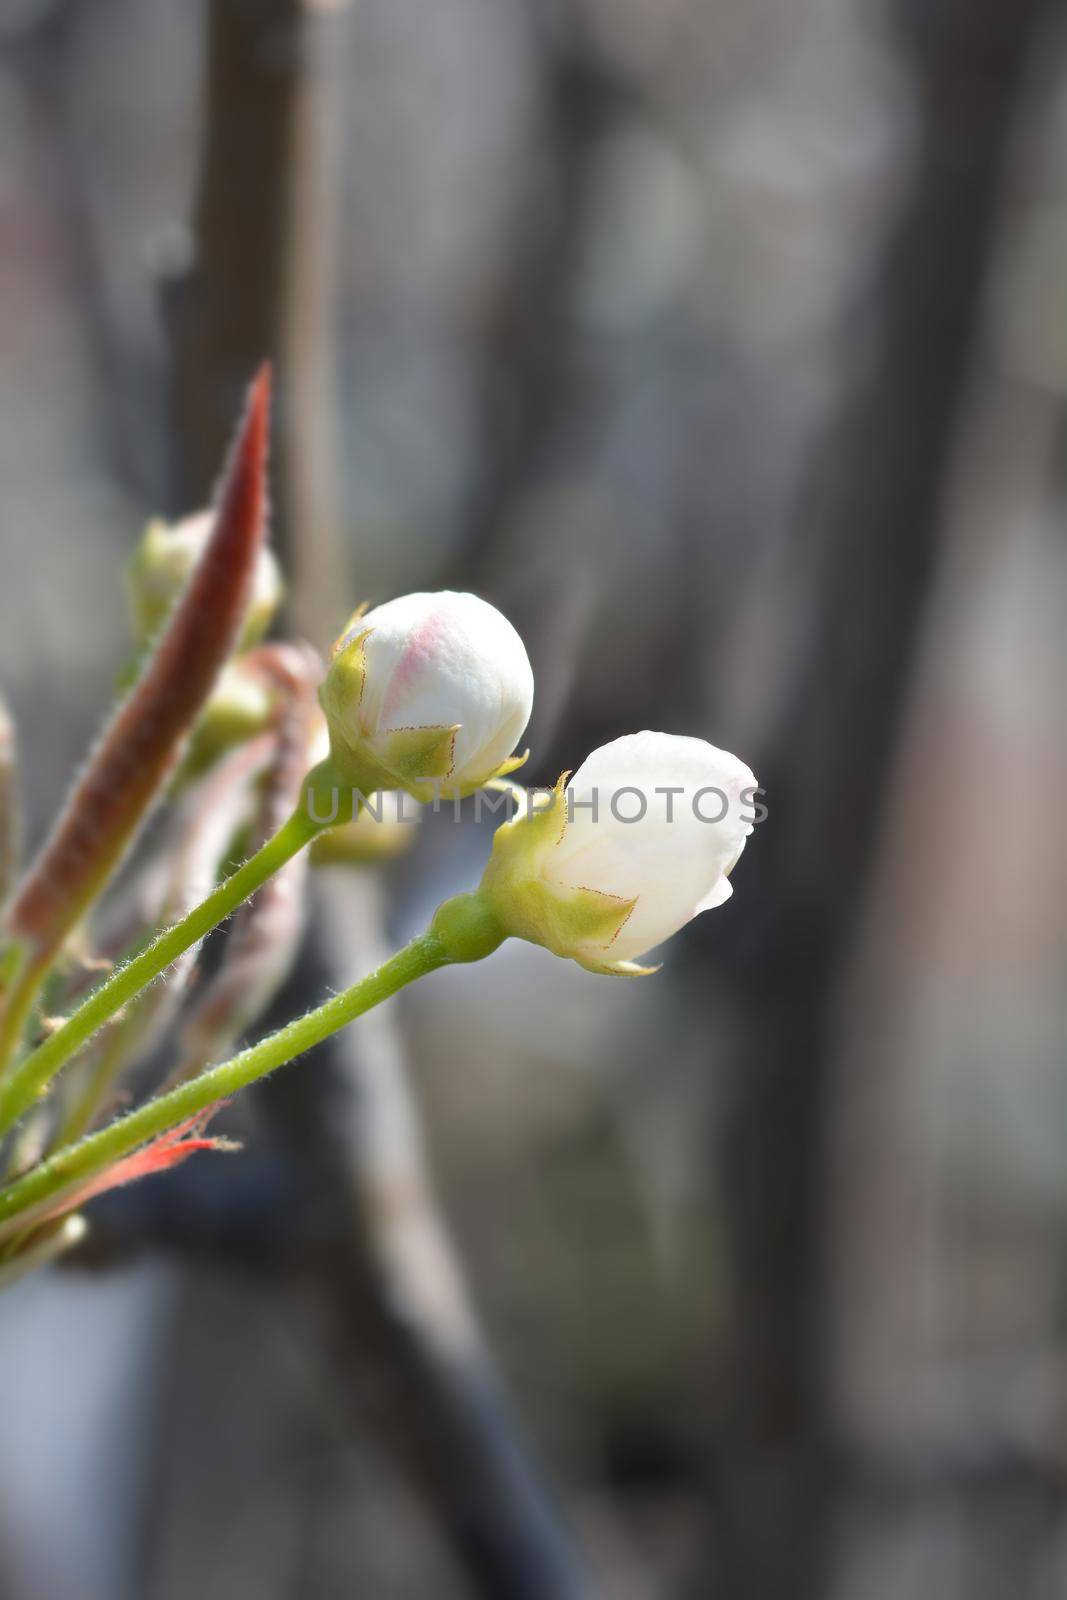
(113, 1049)
(18, 1001)
(41, 1065)
(79, 1161)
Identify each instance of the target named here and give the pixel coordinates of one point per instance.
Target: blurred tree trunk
(866, 540)
(225, 305)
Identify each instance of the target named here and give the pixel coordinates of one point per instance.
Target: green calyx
(578, 923)
(417, 760)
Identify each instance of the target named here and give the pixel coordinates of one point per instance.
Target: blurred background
(723, 344)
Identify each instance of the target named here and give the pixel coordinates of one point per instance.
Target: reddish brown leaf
(139, 747)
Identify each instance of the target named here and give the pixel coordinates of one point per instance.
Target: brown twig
(266, 931)
(395, 1292)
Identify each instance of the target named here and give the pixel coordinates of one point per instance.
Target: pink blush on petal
(422, 647)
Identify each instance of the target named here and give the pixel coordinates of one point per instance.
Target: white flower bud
(428, 693)
(641, 841)
(160, 566)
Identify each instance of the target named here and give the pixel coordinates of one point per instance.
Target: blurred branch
(310, 483)
(538, 393)
(41, 47)
(266, 931)
(260, 274)
(339, 1198)
(260, 280)
(397, 1294)
(225, 306)
(866, 545)
(527, 348)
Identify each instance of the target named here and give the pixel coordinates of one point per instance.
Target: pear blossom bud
(241, 706)
(641, 841)
(159, 569)
(427, 693)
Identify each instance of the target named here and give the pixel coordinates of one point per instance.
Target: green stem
(113, 1047)
(28, 976)
(84, 1160)
(32, 1074)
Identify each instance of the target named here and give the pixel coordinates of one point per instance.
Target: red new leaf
(169, 1150)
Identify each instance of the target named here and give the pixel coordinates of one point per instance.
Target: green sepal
(620, 969)
(578, 923)
(420, 759)
(537, 825)
(512, 764)
(417, 760)
(342, 687)
(568, 921)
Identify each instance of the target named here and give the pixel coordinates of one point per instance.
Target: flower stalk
(40, 1189)
(32, 1075)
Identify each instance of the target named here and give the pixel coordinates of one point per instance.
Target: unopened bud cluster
(160, 567)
